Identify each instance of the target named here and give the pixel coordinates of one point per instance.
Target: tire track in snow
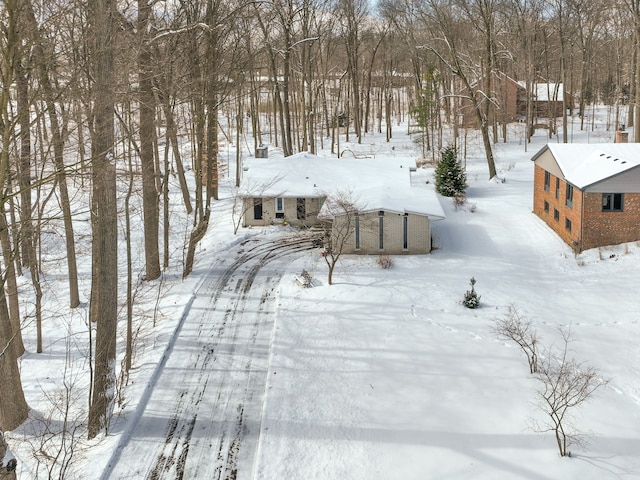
(206, 427)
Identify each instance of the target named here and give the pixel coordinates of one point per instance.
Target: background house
(548, 99)
(589, 194)
(391, 211)
(509, 96)
(510, 100)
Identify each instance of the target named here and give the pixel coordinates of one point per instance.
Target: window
(546, 206)
(568, 201)
(301, 208)
(257, 209)
(357, 233)
(557, 188)
(381, 230)
(567, 225)
(405, 231)
(547, 181)
(279, 207)
(612, 202)
(556, 215)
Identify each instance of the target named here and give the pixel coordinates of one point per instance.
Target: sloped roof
(549, 91)
(541, 91)
(372, 183)
(585, 164)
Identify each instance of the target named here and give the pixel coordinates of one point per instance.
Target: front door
(257, 209)
(301, 209)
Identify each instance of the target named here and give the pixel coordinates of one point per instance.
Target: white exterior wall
(312, 207)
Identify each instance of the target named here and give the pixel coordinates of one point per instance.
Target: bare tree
(341, 213)
(564, 385)
(147, 136)
(515, 327)
(449, 45)
(13, 406)
(353, 14)
(104, 285)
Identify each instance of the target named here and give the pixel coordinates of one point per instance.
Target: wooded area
(104, 96)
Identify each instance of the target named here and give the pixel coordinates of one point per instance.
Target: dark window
(556, 215)
(257, 209)
(405, 231)
(569, 196)
(357, 219)
(381, 230)
(546, 206)
(612, 202)
(567, 224)
(557, 188)
(301, 208)
(547, 181)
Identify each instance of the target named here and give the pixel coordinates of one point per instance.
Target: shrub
(385, 261)
(450, 176)
(459, 200)
(471, 298)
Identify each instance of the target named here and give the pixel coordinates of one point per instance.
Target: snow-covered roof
(543, 91)
(548, 91)
(584, 164)
(371, 183)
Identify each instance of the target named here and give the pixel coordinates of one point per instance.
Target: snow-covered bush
(471, 298)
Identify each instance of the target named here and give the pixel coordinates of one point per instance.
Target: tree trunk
(7, 467)
(13, 406)
(636, 112)
(58, 153)
(12, 286)
(104, 291)
(150, 199)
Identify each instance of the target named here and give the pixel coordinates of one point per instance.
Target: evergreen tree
(450, 177)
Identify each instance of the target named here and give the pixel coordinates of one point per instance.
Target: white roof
(372, 183)
(584, 164)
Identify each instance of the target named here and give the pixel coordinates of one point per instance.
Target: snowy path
(202, 417)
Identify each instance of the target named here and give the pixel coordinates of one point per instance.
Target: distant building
(548, 99)
(390, 215)
(589, 194)
(509, 97)
(510, 100)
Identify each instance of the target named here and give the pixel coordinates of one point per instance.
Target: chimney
(622, 136)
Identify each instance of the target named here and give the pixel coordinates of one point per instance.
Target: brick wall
(610, 228)
(596, 228)
(558, 222)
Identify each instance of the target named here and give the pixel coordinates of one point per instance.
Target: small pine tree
(450, 177)
(471, 298)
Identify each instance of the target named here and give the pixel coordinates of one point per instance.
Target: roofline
(607, 178)
(434, 216)
(540, 152)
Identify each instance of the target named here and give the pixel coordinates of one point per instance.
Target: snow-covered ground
(384, 374)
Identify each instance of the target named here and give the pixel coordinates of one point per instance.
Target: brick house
(510, 98)
(589, 194)
(509, 95)
(391, 213)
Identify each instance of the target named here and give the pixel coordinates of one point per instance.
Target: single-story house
(589, 194)
(372, 204)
